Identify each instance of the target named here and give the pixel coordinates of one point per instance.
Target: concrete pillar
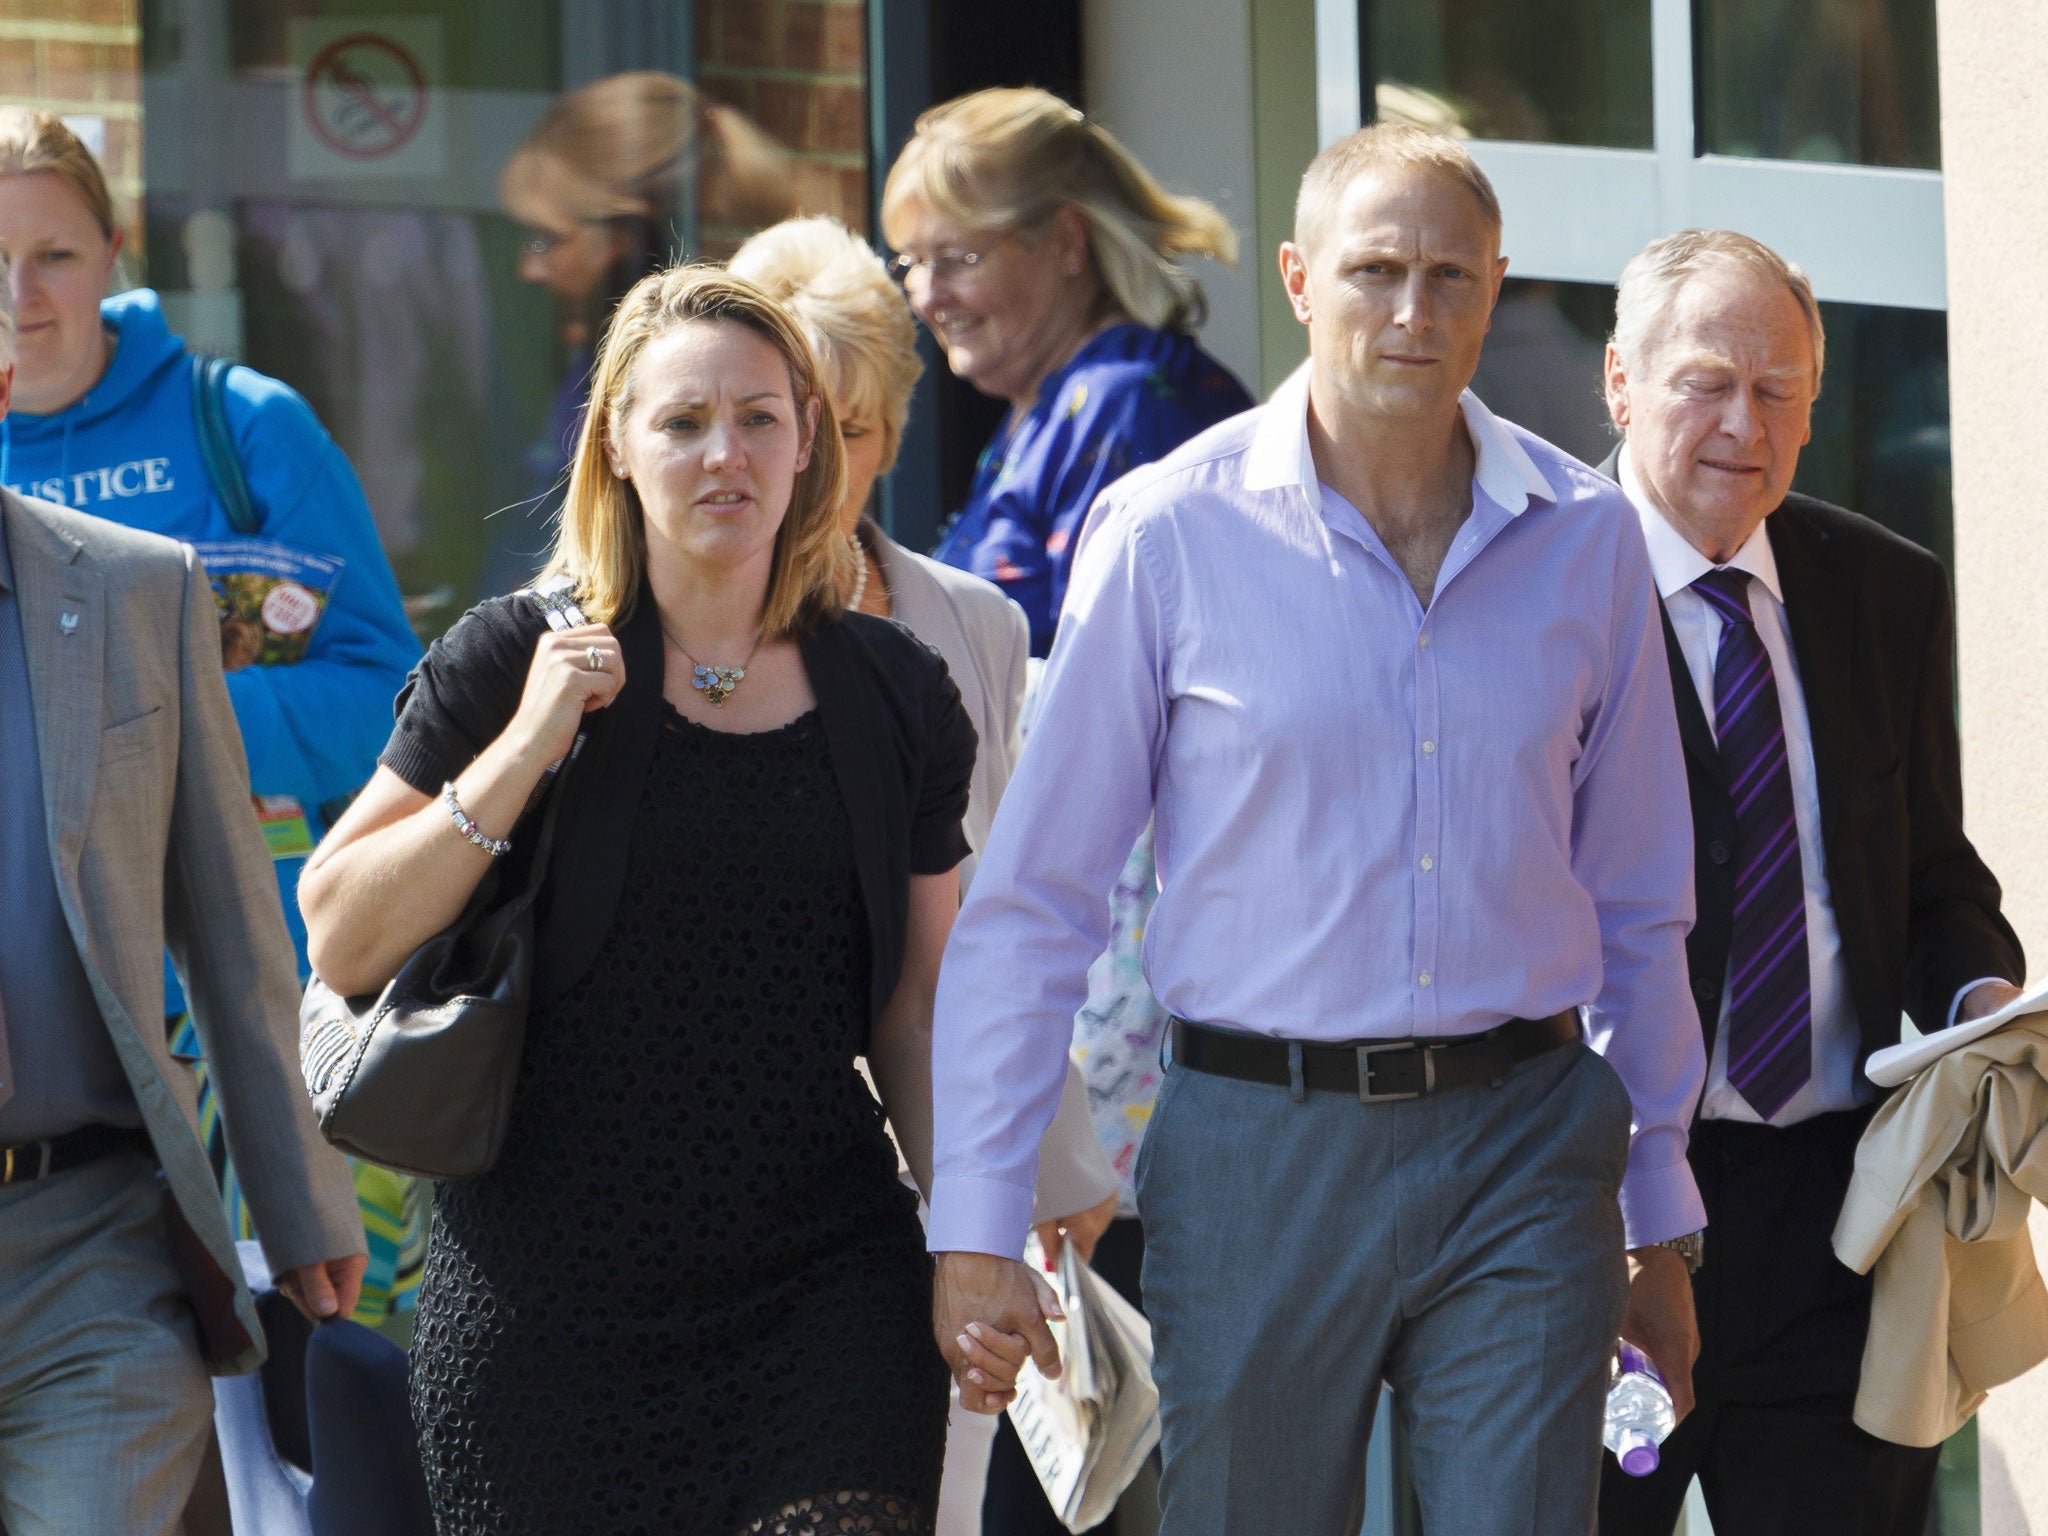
(1994, 118)
(1173, 81)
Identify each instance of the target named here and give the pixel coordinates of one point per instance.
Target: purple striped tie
(1770, 984)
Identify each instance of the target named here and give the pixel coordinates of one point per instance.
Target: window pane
(1880, 429)
(1845, 81)
(1565, 72)
(373, 204)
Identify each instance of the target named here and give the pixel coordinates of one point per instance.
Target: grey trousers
(1467, 1247)
(105, 1403)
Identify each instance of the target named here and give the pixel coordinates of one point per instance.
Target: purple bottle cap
(1637, 1453)
(1634, 1360)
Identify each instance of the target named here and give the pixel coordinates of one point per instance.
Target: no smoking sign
(367, 100)
(365, 96)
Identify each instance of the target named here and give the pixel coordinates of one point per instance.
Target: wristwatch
(1692, 1248)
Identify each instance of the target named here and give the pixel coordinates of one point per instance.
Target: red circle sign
(364, 96)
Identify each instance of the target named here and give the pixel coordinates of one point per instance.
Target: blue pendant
(716, 683)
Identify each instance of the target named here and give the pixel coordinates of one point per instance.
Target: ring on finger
(593, 658)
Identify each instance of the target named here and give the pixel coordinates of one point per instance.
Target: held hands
(562, 687)
(1660, 1321)
(327, 1289)
(989, 1316)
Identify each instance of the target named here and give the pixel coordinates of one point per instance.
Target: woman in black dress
(691, 1296)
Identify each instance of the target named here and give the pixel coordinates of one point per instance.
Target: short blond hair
(1011, 158)
(602, 537)
(1651, 281)
(852, 312)
(34, 140)
(1375, 148)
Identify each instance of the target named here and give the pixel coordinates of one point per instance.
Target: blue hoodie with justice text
(128, 450)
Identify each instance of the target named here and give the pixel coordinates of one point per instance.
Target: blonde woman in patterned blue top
(1046, 263)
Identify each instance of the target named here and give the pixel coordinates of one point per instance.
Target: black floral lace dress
(693, 1296)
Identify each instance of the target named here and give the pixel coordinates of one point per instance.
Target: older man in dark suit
(1811, 655)
(125, 822)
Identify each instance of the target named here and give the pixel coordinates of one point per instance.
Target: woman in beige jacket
(867, 344)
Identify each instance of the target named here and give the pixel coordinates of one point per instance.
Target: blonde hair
(33, 140)
(620, 147)
(1375, 148)
(1654, 275)
(602, 539)
(1012, 158)
(853, 313)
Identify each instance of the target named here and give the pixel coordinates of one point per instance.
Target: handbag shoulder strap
(557, 599)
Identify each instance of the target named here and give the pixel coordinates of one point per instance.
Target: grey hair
(6, 311)
(1651, 281)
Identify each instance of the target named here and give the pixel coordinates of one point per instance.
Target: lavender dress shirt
(1372, 820)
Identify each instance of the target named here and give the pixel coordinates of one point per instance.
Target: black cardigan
(902, 750)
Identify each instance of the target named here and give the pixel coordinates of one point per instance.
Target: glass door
(418, 213)
(1605, 123)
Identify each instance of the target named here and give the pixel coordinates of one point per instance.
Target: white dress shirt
(1374, 820)
(1837, 1081)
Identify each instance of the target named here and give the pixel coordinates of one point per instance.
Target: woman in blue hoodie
(105, 420)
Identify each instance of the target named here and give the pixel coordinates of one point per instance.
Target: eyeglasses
(548, 241)
(948, 266)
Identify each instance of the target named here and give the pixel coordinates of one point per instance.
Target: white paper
(1087, 1433)
(1895, 1063)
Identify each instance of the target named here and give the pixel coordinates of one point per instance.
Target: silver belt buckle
(1366, 1093)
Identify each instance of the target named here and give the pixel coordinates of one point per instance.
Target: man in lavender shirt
(1388, 672)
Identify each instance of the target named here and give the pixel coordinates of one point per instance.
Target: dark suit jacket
(1873, 631)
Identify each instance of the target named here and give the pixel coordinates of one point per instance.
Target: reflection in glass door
(420, 212)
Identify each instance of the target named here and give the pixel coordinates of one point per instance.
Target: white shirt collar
(1674, 562)
(1279, 454)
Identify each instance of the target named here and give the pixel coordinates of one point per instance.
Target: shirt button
(1429, 749)
(1422, 980)
(1717, 853)
(1705, 989)
(1423, 642)
(1428, 862)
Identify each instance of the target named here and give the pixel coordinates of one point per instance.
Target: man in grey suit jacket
(126, 828)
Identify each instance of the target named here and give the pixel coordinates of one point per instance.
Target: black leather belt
(1377, 1071)
(26, 1160)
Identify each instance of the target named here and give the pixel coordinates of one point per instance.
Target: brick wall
(82, 58)
(798, 69)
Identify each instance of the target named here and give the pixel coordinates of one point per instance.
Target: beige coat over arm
(154, 844)
(1945, 1175)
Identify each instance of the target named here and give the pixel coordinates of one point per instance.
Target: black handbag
(419, 1076)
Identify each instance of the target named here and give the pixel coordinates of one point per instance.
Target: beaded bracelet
(496, 847)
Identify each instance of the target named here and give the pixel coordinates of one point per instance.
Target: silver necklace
(715, 683)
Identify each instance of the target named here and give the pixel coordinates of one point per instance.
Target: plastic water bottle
(1638, 1413)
